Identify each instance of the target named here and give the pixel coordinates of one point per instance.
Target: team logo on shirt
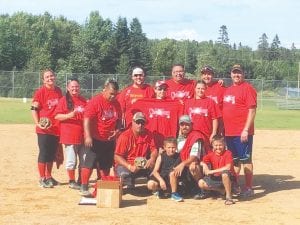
(229, 99)
(79, 109)
(198, 111)
(52, 103)
(108, 114)
(180, 94)
(155, 112)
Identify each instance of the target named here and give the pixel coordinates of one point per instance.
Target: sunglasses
(142, 122)
(161, 88)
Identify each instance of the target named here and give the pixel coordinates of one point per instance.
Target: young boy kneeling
(218, 169)
(163, 176)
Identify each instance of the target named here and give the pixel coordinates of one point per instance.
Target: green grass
(14, 111)
(268, 116)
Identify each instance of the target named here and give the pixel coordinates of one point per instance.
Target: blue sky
(246, 20)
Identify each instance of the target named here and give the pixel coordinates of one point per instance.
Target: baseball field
(22, 201)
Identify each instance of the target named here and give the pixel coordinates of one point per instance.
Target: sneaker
(84, 191)
(157, 194)
(54, 182)
(176, 197)
(49, 182)
(236, 189)
(74, 185)
(248, 193)
(200, 195)
(45, 183)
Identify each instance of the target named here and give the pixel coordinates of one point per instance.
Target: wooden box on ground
(109, 193)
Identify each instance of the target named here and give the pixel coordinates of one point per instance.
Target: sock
(42, 168)
(248, 180)
(49, 166)
(85, 175)
(71, 174)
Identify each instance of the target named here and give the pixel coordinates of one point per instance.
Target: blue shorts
(241, 151)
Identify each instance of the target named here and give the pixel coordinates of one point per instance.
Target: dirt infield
(22, 201)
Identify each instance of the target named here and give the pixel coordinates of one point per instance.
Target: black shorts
(47, 147)
(101, 155)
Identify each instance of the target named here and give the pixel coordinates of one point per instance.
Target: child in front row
(218, 169)
(163, 177)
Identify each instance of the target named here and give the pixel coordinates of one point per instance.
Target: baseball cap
(138, 116)
(160, 83)
(185, 119)
(207, 68)
(237, 67)
(137, 71)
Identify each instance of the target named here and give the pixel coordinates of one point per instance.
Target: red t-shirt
(202, 112)
(216, 93)
(71, 130)
(161, 115)
(238, 99)
(130, 95)
(48, 100)
(130, 146)
(184, 90)
(104, 116)
(218, 161)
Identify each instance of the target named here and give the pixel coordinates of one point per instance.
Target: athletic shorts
(101, 155)
(129, 177)
(47, 147)
(216, 181)
(241, 151)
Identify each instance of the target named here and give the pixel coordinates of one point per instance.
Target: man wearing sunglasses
(137, 90)
(137, 141)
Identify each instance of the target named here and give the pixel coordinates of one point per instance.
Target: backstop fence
(15, 84)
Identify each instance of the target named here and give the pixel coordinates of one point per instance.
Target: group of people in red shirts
(193, 119)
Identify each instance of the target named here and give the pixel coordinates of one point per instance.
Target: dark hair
(70, 103)
(112, 83)
(172, 140)
(178, 64)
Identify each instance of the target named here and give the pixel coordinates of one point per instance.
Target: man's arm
(249, 122)
(88, 141)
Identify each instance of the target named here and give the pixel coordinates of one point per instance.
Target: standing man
(136, 141)
(214, 90)
(239, 110)
(179, 87)
(44, 103)
(102, 123)
(138, 90)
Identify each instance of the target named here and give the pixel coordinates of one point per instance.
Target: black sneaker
(45, 183)
(74, 185)
(54, 182)
(84, 190)
(49, 183)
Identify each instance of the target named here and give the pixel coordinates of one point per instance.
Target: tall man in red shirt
(179, 87)
(138, 90)
(239, 110)
(137, 141)
(102, 123)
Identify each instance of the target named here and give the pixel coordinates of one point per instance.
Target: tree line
(99, 46)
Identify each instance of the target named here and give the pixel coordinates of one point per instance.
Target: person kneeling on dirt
(218, 169)
(134, 143)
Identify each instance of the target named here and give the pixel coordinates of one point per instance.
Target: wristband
(34, 108)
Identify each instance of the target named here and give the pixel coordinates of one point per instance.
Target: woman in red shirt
(69, 112)
(44, 102)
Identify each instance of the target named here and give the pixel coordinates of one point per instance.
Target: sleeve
(206, 159)
(121, 144)
(60, 108)
(90, 109)
(196, 149)
(216, 113)
(251, 97)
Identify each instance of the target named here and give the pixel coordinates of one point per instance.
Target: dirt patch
(22, 201)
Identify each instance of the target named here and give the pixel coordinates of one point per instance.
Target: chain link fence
(15, 84)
